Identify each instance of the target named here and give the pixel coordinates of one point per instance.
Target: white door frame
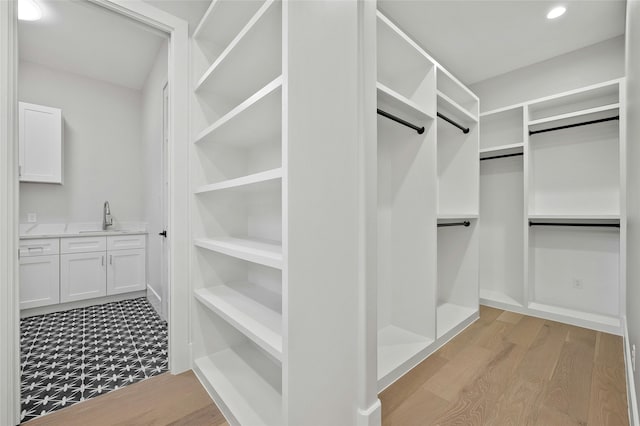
(178, 161)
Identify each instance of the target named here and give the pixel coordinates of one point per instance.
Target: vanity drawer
(126, 242)
(83, 244)
(40, 247)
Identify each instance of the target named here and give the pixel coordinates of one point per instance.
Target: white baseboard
(80, 304)
(372, 416)
(631, 387)
(155, 299)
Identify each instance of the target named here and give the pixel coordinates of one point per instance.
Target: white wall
(633, 175)
(152, 157)
(102, 149)
(592, 64)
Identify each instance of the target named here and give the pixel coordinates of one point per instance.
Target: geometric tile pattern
(68, 357)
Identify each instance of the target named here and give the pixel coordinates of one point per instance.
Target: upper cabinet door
(40, 137)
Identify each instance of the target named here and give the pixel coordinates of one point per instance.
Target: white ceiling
(189, 10)
(86, 39)
(479, 39)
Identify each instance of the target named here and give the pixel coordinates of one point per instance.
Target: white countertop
(30, 231)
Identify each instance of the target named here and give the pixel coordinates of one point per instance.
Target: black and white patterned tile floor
(68, 357)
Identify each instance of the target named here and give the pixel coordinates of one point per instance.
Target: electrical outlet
(577, 283)
(32, 218)
(633, 357)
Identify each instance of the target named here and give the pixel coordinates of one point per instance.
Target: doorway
(10, 217)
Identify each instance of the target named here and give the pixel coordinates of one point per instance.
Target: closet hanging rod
(465, 130)
(599, 225)
(501, 156)
(465, 223)
(568, 126)
(420, 130)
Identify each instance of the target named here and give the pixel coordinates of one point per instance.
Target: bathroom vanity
(75, 265)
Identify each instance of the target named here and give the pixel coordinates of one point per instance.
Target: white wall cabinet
(40, 140)
(82, 276)
(126, 271)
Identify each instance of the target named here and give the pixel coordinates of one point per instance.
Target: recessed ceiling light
(28, 10)
(556, 12)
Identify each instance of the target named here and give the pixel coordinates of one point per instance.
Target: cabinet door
(82, 276)
(39, 281)
(126, 271)
(40, 143)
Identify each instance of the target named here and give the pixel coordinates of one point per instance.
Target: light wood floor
(510, 369)
(505, 369)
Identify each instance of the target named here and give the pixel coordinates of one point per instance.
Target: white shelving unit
(567, 184)
(420, 303)
(244, 384)
(275, 238)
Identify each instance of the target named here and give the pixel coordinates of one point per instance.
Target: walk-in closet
(389, 212)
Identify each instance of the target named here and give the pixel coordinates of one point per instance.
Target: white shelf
(260, 111)
(581, 316)
(254, 54)
(451, 315)
(242, 182)
(253, 310)
(397, 102)
(514, 148)
(580, 218)
(501, 110)
(447, 104)
(243, 385)
(454, 216)
(223, 20)
(396, 346)
(498, 297)
(262, 252)
(575, 114)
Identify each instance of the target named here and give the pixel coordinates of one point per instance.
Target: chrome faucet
(107, 220)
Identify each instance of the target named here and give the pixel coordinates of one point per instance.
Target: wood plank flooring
(505, 369)
(511, 369)
(162, 400)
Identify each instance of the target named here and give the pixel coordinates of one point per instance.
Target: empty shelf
(610, 324)
(498, 297)
(263, 110)
(243, 181)
(575, 114)
(576, 218)
(392, 101)
(514, 148)
(252, 58)
(397, 346)
(253, 310)
(450, 316)
(243, 384)
(266, 253)
(448, 106)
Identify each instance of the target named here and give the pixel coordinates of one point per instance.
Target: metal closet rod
(568, 126)
(465, 130)
(465, 223)
(501, 156)
(599, 225)
(420, 130)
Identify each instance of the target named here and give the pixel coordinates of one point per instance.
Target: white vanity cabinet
(83, 269)
(73, 268)
(39, 273)
(40, 143)
(126, 270)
